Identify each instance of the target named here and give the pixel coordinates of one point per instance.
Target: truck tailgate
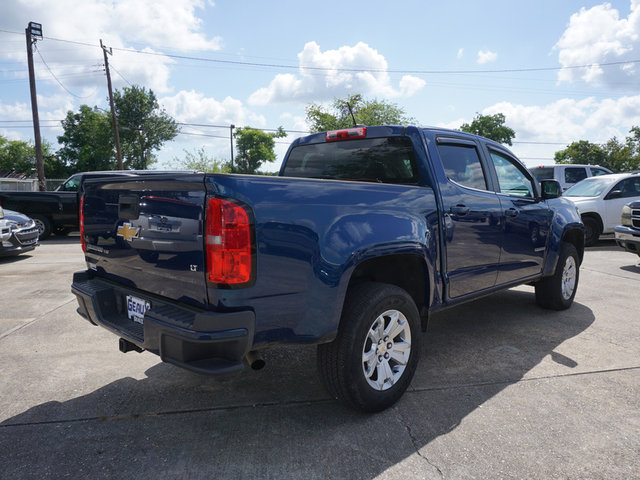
(147, 233)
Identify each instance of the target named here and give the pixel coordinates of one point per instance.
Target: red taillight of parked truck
(83, 243)
(229, 252)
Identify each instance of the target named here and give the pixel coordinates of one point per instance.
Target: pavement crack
(186, 411)
(31, 322)
(416, 445)
(616, 275)
(516, 380)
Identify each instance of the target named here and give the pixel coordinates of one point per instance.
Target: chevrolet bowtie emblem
(128, 232)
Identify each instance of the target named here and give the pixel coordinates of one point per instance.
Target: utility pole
(113, 108)
(231, 127)
(33, 32)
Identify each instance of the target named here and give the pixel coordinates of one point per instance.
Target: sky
(560, 71)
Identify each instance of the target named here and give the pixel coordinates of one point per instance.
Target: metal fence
(16, 185)
(27, 185)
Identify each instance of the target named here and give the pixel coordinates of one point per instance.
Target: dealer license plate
(136, 308)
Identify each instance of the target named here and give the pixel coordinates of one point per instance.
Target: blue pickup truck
(363, 234)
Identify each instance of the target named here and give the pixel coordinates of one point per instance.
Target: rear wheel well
(405, 271)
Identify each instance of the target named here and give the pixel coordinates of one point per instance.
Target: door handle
(459, 210)
(511, 212)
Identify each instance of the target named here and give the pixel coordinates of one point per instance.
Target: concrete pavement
(504, 389)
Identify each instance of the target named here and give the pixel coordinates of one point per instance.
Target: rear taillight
(228, 243)
(347, 134)
(81, 217)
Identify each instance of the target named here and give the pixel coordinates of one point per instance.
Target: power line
(121, 76)
(56, 78)
(349, 70)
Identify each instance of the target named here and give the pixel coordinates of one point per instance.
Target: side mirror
(614, 194)
(550, 189)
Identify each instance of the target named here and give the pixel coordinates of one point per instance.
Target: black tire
(558, 291)
(342, 362)
(591, 231)
(43, 224)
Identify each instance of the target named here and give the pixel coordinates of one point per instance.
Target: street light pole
(33, 32)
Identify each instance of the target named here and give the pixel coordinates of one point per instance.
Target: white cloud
(53, 107)
(486, 56)
(195, 107)
(569, 119)
(334, 73)
(453, 124)
(562, 122)
(143, 25)
(460, 53)
(598, 35)
(155, 23)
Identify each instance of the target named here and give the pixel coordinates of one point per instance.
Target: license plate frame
(136, 308)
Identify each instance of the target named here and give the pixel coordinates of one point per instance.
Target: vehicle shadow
(631, 268)
(6, 259)
(62, 239)
(279, 422)
(607, 243)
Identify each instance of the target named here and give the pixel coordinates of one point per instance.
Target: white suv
(567, 174)
(600, 200)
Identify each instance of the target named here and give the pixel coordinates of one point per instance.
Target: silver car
(18, 233)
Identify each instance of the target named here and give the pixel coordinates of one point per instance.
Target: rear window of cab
(382, 160)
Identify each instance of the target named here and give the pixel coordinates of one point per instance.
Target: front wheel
(372, 360)
(558, 291)
(43, 224)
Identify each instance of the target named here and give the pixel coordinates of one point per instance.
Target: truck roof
(392, 130)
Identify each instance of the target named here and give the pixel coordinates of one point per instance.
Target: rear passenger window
(574, 174)
(462, 165)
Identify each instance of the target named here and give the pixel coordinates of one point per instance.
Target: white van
(567, 174)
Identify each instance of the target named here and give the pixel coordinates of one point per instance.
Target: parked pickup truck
(365, 232)
(57, 211)
(628, 232)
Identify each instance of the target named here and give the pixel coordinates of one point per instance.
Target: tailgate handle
(129, 207)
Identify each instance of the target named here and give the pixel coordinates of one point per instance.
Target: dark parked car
(628, 234)
(57, 212)
(18, 233)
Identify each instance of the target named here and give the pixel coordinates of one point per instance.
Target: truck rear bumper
(197, 340)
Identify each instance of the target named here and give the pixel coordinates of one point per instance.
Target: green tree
(633, 142)
(365, 112)
(20, 157)
(490, 126)
(17, 156)
(199, 160)
(87, 141)
(581, 152)
(619, 156)
(254, 148)
(55, 167)
(143, 126)
(615, 155)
